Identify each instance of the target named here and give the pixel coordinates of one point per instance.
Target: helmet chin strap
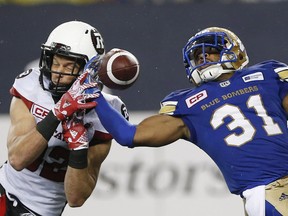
(208, 74)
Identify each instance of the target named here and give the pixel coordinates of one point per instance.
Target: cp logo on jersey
(191, 101)
(38, 111)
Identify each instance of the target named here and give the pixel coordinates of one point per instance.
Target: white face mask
(208, 74)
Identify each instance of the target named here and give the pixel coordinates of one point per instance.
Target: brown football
(119, 69)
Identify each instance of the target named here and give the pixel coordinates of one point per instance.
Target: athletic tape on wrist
(48, 125)
(78, 159)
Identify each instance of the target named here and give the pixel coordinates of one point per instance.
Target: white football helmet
(232, 53)
(75, 40)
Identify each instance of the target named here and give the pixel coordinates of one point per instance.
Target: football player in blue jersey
(235, 113)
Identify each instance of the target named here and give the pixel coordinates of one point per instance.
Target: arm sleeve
(121, 130)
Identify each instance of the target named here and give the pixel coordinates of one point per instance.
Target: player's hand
(92, 67)
(75, 132)
(76, 98)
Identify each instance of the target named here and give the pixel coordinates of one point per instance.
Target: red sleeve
(2, 201)
(100, 137)
(15, 93)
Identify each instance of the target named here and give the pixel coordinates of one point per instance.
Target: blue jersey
(240, 123)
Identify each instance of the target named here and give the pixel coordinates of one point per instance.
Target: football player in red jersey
(235, 113)
(56, 143)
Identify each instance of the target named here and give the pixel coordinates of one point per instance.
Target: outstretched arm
(160, 130)
(154, 131)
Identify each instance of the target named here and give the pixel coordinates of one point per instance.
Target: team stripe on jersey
(168, 107)
(282, 72)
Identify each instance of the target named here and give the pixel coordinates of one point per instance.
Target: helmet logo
(97, 41)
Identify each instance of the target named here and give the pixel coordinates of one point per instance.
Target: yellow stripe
(167, 109)
(283, 74)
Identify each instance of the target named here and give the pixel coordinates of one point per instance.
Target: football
(119, 69)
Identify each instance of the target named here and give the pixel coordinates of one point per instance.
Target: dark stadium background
(155, 33)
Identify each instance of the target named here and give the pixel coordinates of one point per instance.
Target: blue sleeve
(121, 130)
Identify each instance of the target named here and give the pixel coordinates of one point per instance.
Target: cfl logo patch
(194, 99)
(39, 111)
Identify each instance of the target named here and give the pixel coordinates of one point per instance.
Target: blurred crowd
(157, 2)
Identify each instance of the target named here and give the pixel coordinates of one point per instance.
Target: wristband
(78, 159)
(48, 125)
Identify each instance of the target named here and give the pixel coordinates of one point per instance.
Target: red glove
(75, 133)
(75, 98)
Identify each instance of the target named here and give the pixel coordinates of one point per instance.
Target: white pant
(255, 201)
(275, 193)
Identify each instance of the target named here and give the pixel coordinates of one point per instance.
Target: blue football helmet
(232, 54)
